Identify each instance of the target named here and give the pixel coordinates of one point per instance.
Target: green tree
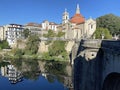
(102, 31)
(109, 21)
(50, 34)
(4, 44)
(26, 33)
(32, 44)
(17, 52)
(57, 48)
(60, 34)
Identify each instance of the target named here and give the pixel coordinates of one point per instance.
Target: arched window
(91, 26)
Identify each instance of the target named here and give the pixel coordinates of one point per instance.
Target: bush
(57, 48)
(50, 34)
(32, 44)
(4, 44)
(60, 34)
(17, 53)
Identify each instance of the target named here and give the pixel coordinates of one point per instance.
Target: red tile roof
(77, 18)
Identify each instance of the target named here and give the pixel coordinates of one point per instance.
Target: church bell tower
(65, 17)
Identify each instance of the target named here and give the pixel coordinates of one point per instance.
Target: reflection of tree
(17, 63)
(56, 68)
(31, 75)
(51, 78)
(2, 64)
(60, 79)
(29, 69)
(32, 71)
(31, 64)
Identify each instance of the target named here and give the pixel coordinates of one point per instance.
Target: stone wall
(93, 64)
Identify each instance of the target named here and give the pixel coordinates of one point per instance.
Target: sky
(25, 11)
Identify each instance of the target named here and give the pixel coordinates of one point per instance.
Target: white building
(1, 33)
(34, 28)
(46, 25)
(13, 32)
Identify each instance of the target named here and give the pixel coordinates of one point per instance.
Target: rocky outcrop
(69, 46)
(43, 47)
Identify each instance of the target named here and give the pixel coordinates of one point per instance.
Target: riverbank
(44, 56)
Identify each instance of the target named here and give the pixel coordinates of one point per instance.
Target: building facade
(77, 27)
(34, 28)
(1, 33)
(13, 33)
(46, 25)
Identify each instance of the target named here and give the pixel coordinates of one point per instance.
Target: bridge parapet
(111, 46)
(90, 43)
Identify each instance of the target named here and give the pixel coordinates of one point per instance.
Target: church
(77, 27)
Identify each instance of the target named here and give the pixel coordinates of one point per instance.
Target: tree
(26, 33)
(111, 22)
(50, 34)
(102, 31)
(4, 44)
(32, 44)
(60, 34)
(57, 48)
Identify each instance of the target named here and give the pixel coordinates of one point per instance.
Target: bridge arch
(112, 82)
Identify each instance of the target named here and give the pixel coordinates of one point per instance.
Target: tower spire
(78, 9)
(65, 9)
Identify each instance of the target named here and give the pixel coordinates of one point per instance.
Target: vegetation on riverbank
(4, 44)
(56, 51)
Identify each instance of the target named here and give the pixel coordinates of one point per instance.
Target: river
(36, 75)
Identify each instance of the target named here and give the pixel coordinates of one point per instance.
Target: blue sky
(24, 11)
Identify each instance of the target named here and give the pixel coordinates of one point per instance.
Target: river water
(36, 75)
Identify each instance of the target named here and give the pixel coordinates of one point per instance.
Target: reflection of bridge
(97, 65)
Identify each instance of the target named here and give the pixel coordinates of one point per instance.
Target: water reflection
(11, 73)
(21, 70)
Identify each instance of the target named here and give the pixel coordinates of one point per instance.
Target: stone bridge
(97, 65)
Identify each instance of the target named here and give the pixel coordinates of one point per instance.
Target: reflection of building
(4, 71)
(77, 27)
(11, 72)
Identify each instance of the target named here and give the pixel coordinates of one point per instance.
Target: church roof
(77, 18)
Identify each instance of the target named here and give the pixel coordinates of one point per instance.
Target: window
(66, 17)
(91, 26)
